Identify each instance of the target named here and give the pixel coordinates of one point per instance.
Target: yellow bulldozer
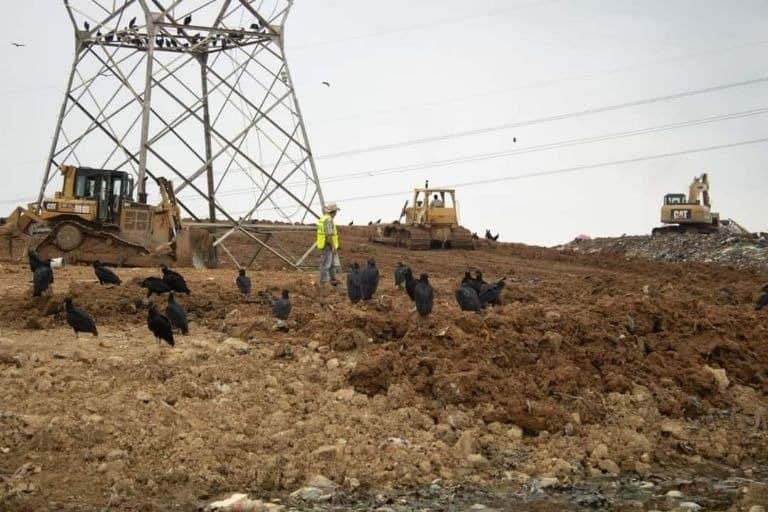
(430, 221)
(94, 217)
(691, 213)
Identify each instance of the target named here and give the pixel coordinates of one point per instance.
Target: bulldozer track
(419, 239)
(78, 241)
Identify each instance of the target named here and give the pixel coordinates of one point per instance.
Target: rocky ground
(600, 383)
(725, 247)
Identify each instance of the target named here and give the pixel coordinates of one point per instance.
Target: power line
(532, 149)
(547, 119)
(567, 170)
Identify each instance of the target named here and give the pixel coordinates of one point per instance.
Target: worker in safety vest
(328, 244)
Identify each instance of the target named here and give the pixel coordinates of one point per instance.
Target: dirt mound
(591, 366)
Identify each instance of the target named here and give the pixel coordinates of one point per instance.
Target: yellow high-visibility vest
(322, 235)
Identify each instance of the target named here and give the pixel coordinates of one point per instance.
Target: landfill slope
(594, 365)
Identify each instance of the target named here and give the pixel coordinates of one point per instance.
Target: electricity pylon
(196, 91)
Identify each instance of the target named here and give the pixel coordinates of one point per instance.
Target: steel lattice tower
(199, 92)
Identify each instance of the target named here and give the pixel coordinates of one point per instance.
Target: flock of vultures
(473, 294)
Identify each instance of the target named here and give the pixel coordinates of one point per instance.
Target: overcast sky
(402, 71)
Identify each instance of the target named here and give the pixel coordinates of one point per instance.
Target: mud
(592, 368)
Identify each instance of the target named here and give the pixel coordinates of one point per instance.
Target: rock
(600, 452)
(115, 454)
(478, 506)
(465, 446)
(674, 428)
(351, 483)
(477, 460)
(515, 432)
(332, 364)
(517, 476)
(311, 495)
(757, 508)
(674, 494)
(143, 396)
(720, 377)
(552, 316)
(689, 506)
(551, 341)
(322, 483)
(242, 503)
(344, 395)
(327, 452)
(237, 346)
(609, 466)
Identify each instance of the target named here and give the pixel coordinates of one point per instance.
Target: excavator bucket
(194, 248)
(14, 236)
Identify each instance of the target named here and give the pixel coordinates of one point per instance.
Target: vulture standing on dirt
(42, 278)
(79, 320)
(176, 315)
(104, 274)
(490, 292)
(243, 282)
(34, 260)
(423, 295)
(174, 280)
(400, 275)
(476, 283)
(369, 280)
(282, 307)
(155, 285)
(160, 326)
(762, 301)
(410, 283)
(468, 299)
(353, 283)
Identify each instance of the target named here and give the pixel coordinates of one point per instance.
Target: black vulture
(160, 326)
(174, 280)
(369, 280)
(87, 25)
(79, 319)
(176, 315)
(282, 307)
(34, 259)
(468, 299)
(132, 23)
(490, 292)
(353, 283)
(762, 301)
(188, 20)
(400, 274)
(243, 282)
(105, 275)
(255, 26)
(475, 283)
(42, 279)
(489, 236)
(155, 285)
(410, 283)
(423, 296)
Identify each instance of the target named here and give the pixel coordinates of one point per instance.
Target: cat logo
(681, 214)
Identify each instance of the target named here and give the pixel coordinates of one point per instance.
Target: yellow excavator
(94, 217)
(692, 213)
(430, 221)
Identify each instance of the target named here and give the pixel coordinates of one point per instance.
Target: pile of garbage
(724, 247)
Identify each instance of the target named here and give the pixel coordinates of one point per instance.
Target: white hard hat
(331, 207)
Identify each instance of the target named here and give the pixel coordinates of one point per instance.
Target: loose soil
(592, 367)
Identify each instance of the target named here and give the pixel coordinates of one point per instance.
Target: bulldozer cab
(432, 207)
(92, 194)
